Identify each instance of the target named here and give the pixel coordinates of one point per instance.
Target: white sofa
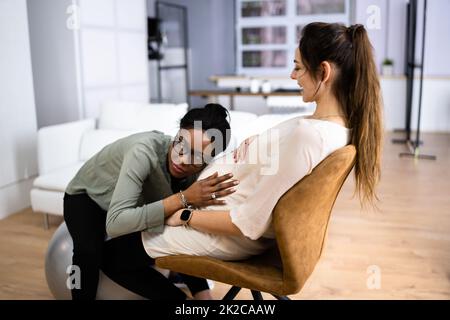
(62, 149)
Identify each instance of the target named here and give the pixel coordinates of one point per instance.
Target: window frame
(291, 20)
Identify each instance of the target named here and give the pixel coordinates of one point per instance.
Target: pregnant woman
(335, 67)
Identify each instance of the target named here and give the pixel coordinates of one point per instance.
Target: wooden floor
(408, 241)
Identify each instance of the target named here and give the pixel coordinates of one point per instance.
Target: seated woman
(275, 161)
(335, 67)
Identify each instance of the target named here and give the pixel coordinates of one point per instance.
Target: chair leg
(257, 295)
(281, 297)
(46, 224)
(231, 294)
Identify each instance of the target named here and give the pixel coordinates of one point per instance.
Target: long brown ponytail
(357, 88)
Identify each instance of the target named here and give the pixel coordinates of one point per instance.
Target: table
(232, 93)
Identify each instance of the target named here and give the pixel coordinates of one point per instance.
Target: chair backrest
(301, 216)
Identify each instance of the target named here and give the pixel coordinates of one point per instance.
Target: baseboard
(15, 197)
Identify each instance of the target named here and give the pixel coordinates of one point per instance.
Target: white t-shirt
(276, 160)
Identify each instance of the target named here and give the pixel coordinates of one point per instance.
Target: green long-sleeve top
(128, 179)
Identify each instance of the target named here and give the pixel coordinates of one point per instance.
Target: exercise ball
(59, 258)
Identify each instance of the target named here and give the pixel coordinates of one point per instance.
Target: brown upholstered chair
(300, 220)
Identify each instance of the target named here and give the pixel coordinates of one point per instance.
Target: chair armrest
(59, 145)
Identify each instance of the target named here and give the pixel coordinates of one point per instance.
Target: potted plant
(387, 67)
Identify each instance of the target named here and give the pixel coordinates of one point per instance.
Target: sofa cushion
(120, 115)
(57, 180)
(47, 201)
(162, 117)
(94, 140)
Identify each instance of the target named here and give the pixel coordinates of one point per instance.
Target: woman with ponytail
(335, 66)
(134, 184)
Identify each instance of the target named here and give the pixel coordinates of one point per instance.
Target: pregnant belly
(244, 173)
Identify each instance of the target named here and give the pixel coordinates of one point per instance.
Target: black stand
(410, 54)
(177, 16)
(414, 146)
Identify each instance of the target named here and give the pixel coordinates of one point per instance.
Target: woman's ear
(326, 71)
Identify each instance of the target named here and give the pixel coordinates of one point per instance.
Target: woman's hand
(206, 192)
(174, 220)
(240, 153)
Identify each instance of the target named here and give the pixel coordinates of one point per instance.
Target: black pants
(126, 262)
(123, 259)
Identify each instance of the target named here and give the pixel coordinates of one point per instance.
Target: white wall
(389, 40)
(435, 104)
(17, 110)
(113, 47)
(86, 51)
(54, 62)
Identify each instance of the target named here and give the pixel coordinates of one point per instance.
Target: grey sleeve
(123, 216)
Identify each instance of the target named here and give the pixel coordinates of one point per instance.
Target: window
(263, 8)
(268, 31)
(264, 35)
(264, 59)
(308, 7)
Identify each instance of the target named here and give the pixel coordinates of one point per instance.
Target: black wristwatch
(185, 216)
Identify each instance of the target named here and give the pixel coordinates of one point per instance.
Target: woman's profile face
(303, 78)
(187, 153)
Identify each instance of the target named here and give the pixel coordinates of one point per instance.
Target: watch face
(185, 215)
